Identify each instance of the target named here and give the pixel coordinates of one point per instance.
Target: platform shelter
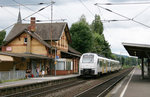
(141, 51)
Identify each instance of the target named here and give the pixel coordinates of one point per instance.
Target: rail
(44, 90)
(102, 89)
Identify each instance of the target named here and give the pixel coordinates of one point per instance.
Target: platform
(132, 86)
(35, 80)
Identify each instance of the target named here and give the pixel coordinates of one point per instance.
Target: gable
(62, 44)
(18, 45)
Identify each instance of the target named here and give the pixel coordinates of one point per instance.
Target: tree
(97, 25)
(100, 46)
(97, 44)
(2, 36)
(122, 60)
(81, 35)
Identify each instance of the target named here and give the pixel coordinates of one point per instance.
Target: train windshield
(88, 59)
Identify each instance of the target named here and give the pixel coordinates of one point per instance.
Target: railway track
(42, 91)
(102, 89)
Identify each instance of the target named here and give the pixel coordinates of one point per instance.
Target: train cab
(88, 64)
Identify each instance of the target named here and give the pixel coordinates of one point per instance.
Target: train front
(87, 65)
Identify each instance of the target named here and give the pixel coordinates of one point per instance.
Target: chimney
(32, 24)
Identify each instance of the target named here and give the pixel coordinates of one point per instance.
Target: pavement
(35, 80)
(132, 86)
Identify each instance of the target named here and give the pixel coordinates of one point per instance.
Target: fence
(11, 75)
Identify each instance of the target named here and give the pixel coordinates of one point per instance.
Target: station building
(39, 45)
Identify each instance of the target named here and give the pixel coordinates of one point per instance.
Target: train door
(98, 66)
(108, 66)
(102, 66)
(105, 66)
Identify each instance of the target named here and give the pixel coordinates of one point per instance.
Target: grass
(126, 66)
(11, 80)
(139, 66)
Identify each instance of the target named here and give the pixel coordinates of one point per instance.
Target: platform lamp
(134, 53)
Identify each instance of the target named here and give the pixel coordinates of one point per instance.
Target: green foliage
(90, 38)
(2, 36)
(126, 66)
(125, 60)
(12, 80)
(100, 45)
(97, 25)
(81, 35)
(98, 41)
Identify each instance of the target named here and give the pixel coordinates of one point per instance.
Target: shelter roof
(139, 50)
(69, 54)
(72, 50)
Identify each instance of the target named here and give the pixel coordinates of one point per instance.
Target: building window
(64, 65)
(69, 65)
(25, 40)
(60, 65)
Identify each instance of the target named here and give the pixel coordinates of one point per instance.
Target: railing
(12, 75)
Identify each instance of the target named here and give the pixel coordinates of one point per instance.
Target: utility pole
(52, 2)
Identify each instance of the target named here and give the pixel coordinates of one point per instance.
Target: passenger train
(92, 65)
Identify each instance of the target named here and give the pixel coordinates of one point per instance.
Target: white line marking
(118, 87)
(124, 90)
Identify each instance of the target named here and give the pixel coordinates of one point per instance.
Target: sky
(115, 32)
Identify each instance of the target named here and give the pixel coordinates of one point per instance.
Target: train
(91, 64)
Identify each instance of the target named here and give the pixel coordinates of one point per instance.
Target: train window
(101, 63)
(98, 62)
(88, 59)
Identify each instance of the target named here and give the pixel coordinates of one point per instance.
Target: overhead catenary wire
(113, 20)
(27, 16)
(125, 4)
(63, 12)
(123, 16)
(141, 12)
(48, 20)
(10, 12)
(37, 11)
(107, 27)
(86, 7)
(131, 3)
(27, 8)
(14, 5)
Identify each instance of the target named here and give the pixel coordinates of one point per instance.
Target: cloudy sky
(115, 32)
